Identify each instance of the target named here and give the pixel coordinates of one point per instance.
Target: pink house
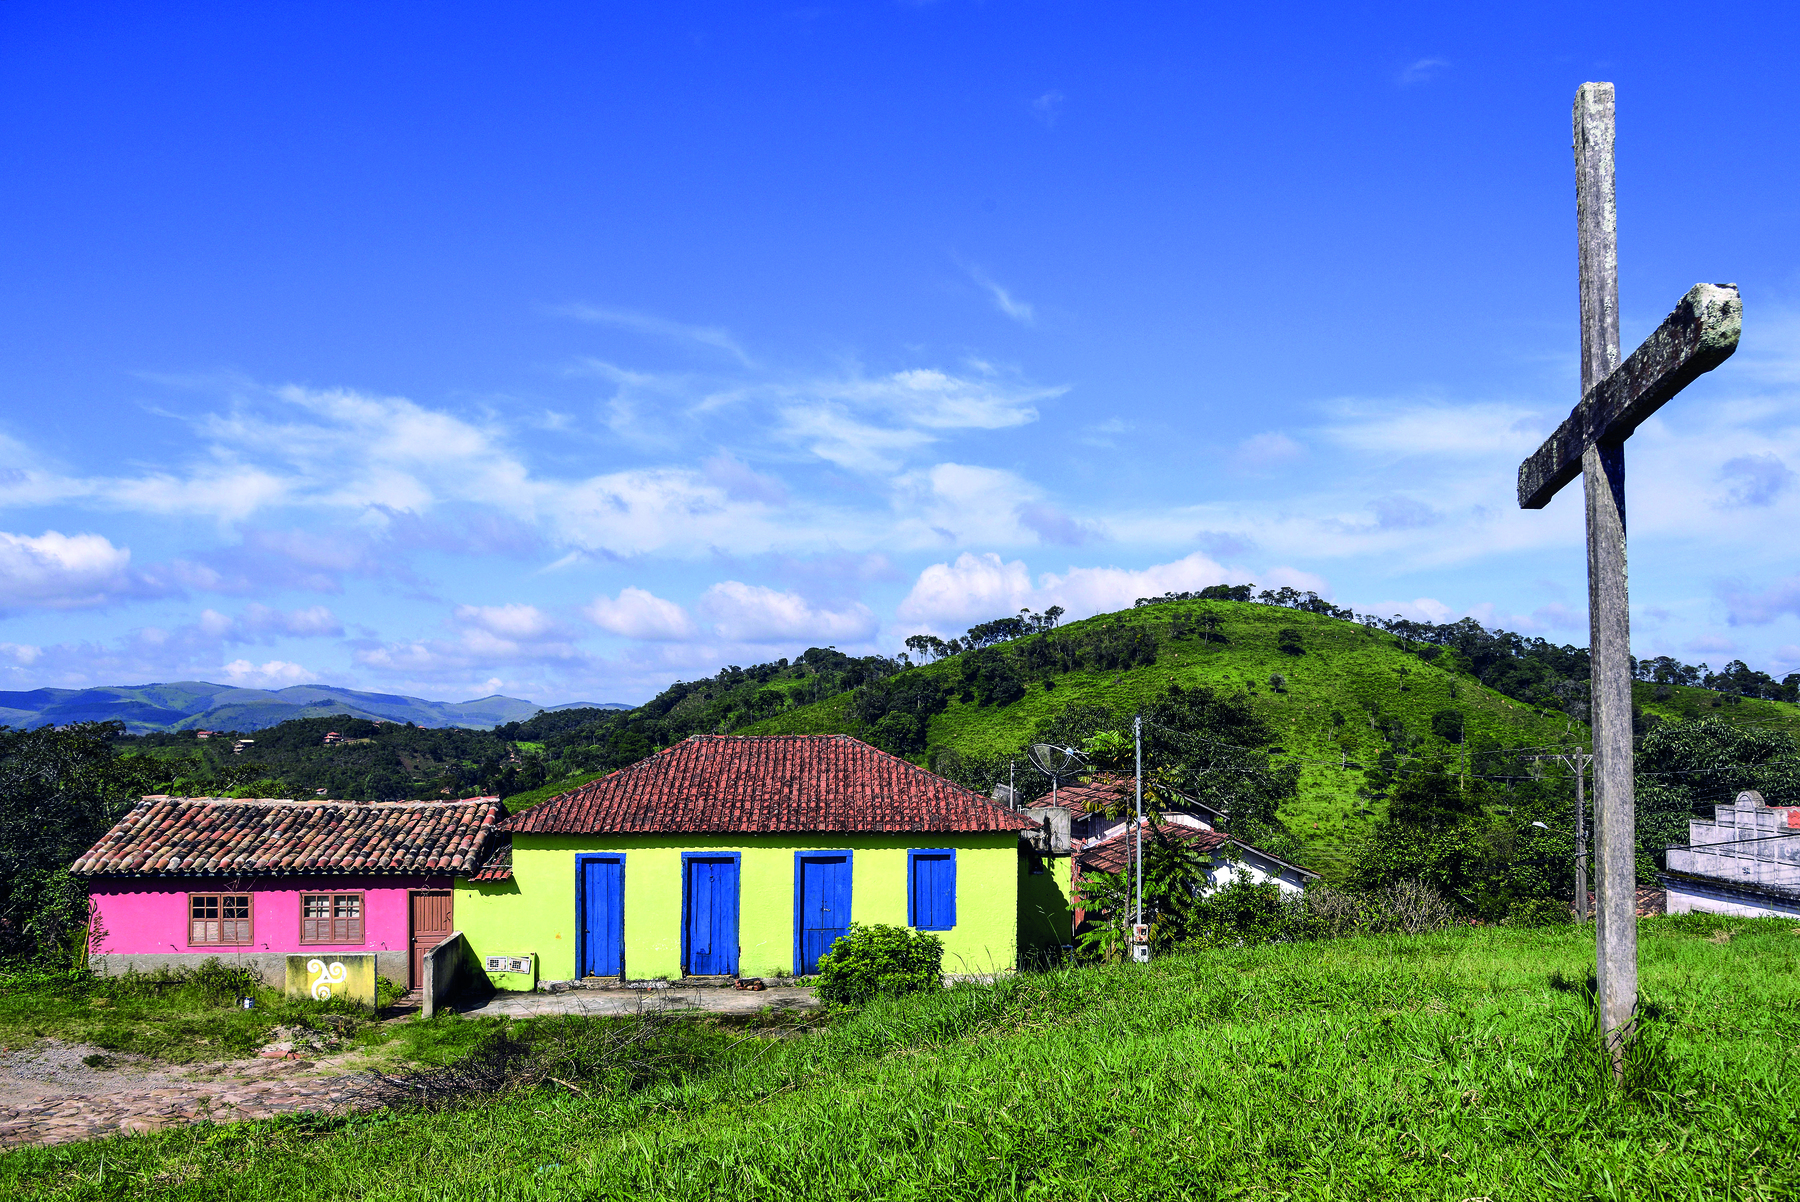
(182, 880)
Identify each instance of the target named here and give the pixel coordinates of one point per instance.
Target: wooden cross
(1615, 399)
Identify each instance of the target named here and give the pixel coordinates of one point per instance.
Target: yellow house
(745, 855)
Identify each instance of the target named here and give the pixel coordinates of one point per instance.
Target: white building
(1745, 861)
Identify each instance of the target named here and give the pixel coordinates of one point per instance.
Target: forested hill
(1348, 705)
(1351, 705)
(200, 705)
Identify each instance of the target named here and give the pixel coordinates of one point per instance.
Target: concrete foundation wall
(270, 967)
(1685, 897)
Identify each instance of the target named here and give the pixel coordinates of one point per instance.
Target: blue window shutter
(932, 888)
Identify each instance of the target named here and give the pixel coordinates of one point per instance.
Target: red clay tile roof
(219, 836)
(497, 864)
(715, 784)
(1101, 791)
(1089, 797)
(1114, 854)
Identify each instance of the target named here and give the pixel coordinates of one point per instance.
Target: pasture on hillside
(1454, 1066)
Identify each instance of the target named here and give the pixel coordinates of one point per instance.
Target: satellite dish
(1053, 761)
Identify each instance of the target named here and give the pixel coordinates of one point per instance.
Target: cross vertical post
(1609, 607)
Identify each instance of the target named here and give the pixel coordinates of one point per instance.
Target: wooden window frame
(246, 925)
(354, 935)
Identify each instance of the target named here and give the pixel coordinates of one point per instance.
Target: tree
(60, 790)
(1287, 641)
(1215, 746)
(1432, 798)
(1685, 768)
(1447, 724)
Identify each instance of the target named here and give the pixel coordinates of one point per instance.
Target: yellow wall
(535, 911)
(1045, 920)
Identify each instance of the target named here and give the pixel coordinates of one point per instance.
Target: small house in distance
(1744, 861)
(181, 880)
(729, 855)
(1089, 801)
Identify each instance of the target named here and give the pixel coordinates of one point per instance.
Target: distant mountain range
(191, 704)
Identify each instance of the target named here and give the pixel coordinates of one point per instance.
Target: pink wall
(149, 916)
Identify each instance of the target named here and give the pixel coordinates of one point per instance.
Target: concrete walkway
(676, 999)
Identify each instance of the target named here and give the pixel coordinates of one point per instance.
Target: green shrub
(880, 961)
(1245, 913)
(1539, 912)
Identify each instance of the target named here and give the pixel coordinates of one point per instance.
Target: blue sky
(564, 351)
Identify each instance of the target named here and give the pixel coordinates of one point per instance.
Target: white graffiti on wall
(328, 975)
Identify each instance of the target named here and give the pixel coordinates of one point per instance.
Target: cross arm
(1698, 336)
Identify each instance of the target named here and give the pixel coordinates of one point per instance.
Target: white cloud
(514, 622)
(21, 654)
(1263, 453)
(1020, 311)
(750, 613)
(261, 622)
(61, 571)
(275, 674)
(1744, 607)
(1085, 591)
(1755, 479)
(1423, 70)
(483, 639)
(638, 614)
(974, 588)
(642, 323)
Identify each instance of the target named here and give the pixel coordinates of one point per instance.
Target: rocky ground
(54, 1092)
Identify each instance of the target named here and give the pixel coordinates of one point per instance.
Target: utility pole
(1137, 740)
(1582, 760)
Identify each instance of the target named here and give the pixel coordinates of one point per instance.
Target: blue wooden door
(712, 916)
(824, 907)
(602, 916)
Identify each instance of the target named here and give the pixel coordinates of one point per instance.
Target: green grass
(180, 1019)
(1345, 668)
(1441, 1067)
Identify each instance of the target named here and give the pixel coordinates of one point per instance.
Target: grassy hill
(1443, 1066)
(1346, 684)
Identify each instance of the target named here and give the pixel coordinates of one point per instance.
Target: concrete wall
(144, 921)
(535, 911)
(447, 968)
(1698, 897)
(270, 967)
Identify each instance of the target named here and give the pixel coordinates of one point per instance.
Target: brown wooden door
(431, 925)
